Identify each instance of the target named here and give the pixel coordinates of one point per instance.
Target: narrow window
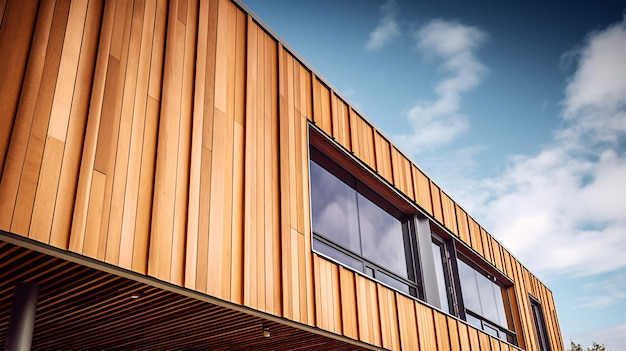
(540, 325)
(484, 302)
(358, 228)
(441, 256)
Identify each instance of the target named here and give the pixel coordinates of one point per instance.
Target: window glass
(487, 298)
(498, 293)
(357, 227)
(331, 252)
(469, 287)
(441, 281)
(483, 300)
(382, 237)
(334, 209)
(474, 321)
(491, 330)
(540, 325)
(392, 282)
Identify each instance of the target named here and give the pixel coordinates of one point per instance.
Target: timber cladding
(171, 138)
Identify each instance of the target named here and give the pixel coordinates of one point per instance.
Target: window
(441, 257)
(540, 325)
(484, 302)
(358, 228)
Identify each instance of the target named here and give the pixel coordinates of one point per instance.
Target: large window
(358, 228)
(540, 325)
(484, 302)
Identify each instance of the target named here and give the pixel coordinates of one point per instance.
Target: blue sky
(517, 109)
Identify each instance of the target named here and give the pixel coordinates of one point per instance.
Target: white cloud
(563, 210)
(436, 123)
(387, 29)
(613, 337)
(604, 293)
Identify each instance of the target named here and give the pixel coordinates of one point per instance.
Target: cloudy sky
(517, 109)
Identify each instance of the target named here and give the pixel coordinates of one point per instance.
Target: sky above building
(516, 109)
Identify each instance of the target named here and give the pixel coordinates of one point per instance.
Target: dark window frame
(540, 324)
(507, 331)
(343, 171)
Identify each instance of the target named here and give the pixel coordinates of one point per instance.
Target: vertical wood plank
(17, 25)
(449, 213)
(236, 273)
(31, 163)
(206, 104)
(68, 183)
(475, 237)
(408, 324)
(464, 340)
(43, 209)
(436, 201)
(390, 337)
(421, 188)
(348, 304)
(367, 304)
(105, 71)
(453, 332)
(462, 225)
(425, 327)
(441, 331)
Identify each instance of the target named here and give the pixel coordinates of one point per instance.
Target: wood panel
(362, 140)
(322, 106)
(497, 254)
(328, 298)
(390, 337)
(297, 284)
(464, 340)
(341, 121)
(167, 244)
(350, 324)
(368, 316)
(16, 36)
(425, 327)
(407, 324)
(261, 187)
(475, 236)
(19, 188)
(171, 139)
(449, 213)
(441, 331)
(463, 225)
(435, 193)
(383, 156)
(402, 177)
(421, 188)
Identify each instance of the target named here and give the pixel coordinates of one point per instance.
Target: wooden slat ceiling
(81, 308)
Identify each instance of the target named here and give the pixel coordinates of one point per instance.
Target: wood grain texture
(407, 324)
(425, 327)
(16, 36)
(421, 188)
(383, 156)
(387, 307)
(463, 225)
(171, 138)
(368, 316)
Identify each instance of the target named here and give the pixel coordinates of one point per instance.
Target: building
(174, 177)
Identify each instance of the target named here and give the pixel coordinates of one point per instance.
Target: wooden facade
(171, 139)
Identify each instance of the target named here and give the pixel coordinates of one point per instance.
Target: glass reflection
(382, 237)
(441, 282)
(334, 209)
(469, 287)
(331, 252)
(481, 295)
(487, 298)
